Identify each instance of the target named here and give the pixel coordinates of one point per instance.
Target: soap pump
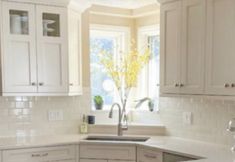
(84, 125)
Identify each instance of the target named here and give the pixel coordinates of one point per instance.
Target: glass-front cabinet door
(19, 22)
(52, 49)
(51, 24)
(19, 50)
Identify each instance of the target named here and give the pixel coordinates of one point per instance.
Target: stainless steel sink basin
(117, 138)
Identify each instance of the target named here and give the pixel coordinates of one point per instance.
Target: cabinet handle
(33, 84)
(150, 156)
(232, 85)
(181, 85)
(176, 85)
(40, 155)
(41, 84)
(36, 155)
(43, 155)
(226, 85)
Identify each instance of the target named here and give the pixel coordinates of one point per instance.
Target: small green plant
(98, 100)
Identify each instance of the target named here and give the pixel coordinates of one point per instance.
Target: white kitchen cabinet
(170, 47)
(193, 47)
(75, 52)
(41, 50)
(92, 160)
(19, 44)
(182, 47)
(120, 161)
(59, 153)
(52, 49)
(220, 58)
(148, 155)
(64, 161)
(109, 152)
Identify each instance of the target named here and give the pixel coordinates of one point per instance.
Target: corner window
(148, 84)
(114, 40)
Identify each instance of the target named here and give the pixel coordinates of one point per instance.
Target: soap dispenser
(84, 125)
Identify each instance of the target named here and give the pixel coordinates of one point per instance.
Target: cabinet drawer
(64, 161)
(147, 155)
(92, 160)
(108, 152)
(59, 153)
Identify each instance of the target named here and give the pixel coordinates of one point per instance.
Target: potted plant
(98, 100)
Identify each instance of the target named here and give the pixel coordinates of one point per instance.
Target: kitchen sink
(117, 138)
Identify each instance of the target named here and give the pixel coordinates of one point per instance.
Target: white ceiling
(129, 4)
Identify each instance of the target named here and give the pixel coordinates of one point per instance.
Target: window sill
(130, 125)
(133, 129)
(133, 110)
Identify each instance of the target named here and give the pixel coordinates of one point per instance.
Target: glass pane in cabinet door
(51, 25)
(19, 22)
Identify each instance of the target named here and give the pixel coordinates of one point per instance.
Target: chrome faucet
(121, 116)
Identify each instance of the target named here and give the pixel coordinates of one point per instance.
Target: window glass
(149, 79)
(101, 83)
(113, 42)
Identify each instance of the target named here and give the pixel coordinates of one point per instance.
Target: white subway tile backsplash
(210, 118)
(25, 116)
(28, 116)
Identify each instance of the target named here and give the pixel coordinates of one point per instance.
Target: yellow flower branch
(125, 72)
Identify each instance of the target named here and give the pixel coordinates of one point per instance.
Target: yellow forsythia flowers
(126, 69)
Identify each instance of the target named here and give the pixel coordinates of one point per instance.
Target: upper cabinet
(197, 47)
(192, 46)
(19, 48)
(41, 51)
(52, 49)
(170, 47)
(220, 59)
(182, 47)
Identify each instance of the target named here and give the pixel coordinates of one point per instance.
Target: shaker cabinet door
(19, 50)
(193, 46)
(52, 49)
(75, 59)
(170, 47)
(220, 67)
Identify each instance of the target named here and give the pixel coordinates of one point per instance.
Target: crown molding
(166, 1)
(63, 3)
(126, 13)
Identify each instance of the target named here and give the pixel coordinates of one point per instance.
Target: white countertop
(210, 152)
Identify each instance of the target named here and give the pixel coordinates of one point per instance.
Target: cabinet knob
(176, 85)
(233, 85)
(226, 85)
(181, 85)
(41, 84)
(150, 156)
(33, 84)
(70, 84)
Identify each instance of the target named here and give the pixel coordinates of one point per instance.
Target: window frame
(143, 33)
(117, 30)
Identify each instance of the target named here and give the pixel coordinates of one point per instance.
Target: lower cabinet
(63, 161)
(148, 155)
(46, 154)
(92, 160)
(97, 160)
(167, 157)
(107, 153)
